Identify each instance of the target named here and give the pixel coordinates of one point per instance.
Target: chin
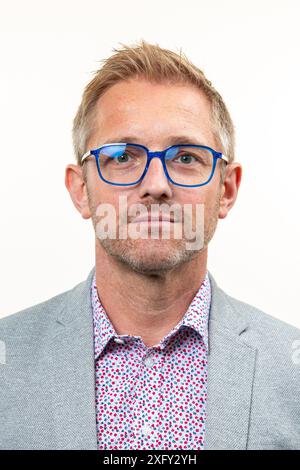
(149, 256)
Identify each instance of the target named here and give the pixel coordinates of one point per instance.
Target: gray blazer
(47, 393)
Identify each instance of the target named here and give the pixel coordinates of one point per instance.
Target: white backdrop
(248, 49)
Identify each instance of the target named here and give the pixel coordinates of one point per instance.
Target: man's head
(154, 97)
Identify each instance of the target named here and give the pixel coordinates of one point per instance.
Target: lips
(153, 218)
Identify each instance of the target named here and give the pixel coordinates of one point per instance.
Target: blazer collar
(221, 310)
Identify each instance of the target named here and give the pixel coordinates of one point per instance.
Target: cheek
(207, 200)
(99, 191)
(111, 196)
(196, 196)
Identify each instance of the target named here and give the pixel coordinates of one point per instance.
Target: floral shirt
(152, 397)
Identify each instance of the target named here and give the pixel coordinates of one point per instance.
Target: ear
(76, 186)
(230, 187)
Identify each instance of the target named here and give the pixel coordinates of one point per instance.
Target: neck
(146, 305)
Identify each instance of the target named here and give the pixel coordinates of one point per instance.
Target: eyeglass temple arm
(87, 154)
(224, 157)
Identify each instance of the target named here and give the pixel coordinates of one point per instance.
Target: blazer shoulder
(261, 318)
(257, 319)
(39, 314)
(276, 344)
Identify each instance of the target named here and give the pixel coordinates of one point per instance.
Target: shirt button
(149, 361)
(146, 430)
(119, 340)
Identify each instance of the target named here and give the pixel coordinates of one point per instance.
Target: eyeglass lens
(125, 163)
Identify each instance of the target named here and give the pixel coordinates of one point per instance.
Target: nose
(155, 183)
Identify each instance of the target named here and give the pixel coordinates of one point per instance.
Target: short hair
(156, 65)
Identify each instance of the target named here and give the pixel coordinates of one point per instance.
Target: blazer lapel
(74, 373)
(231, 365)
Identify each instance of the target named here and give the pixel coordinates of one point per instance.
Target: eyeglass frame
(157, 154)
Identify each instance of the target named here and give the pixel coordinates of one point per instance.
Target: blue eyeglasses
(124, 164)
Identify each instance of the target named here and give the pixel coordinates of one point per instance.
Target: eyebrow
(171, 140)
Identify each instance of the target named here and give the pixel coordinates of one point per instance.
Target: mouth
(155, 218)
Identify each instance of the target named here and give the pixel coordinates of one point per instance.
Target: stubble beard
(156, 256)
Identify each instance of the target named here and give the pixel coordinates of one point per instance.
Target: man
(148, 352)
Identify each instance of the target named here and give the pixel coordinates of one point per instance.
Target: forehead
(151, 112)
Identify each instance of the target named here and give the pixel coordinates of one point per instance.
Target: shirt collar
(196, 317)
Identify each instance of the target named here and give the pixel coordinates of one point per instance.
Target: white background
(248, 49)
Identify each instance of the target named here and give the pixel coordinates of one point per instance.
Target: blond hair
(156, 65)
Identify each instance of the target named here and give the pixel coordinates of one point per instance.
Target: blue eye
(123, 158)
(186, 157)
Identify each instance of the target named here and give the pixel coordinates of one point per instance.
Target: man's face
(156, 116)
